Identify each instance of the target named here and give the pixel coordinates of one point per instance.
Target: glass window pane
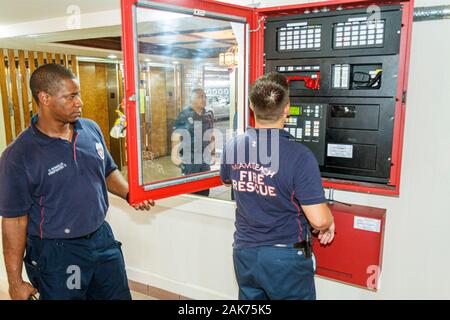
(191, 83)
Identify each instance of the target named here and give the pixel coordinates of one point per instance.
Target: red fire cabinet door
(355, 255)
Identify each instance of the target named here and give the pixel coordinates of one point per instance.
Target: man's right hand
(14, 236)
(177, 161)
(326, 236)
(176, 145)
(21, 291)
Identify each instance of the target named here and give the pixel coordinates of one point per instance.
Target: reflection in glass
(190, 86)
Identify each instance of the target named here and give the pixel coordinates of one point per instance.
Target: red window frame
(254, 18)
(137, 191)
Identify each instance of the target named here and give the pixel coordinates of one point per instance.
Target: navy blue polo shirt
(59, 184)
(272, 177)
(187, 120)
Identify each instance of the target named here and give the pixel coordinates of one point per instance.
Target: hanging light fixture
(230, 58)
(222, 59)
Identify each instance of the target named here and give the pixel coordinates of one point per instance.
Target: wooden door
(158, 139)
(95, 96)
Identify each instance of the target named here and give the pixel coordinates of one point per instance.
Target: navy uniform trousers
(274, 273)
(188, 169)
(85, 268)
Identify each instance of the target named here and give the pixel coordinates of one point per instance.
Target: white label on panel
(340, 150)
(367, 224)
(298, 24)
(198, 12)
(357, 19)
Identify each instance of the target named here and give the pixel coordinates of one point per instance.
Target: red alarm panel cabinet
(355, 255)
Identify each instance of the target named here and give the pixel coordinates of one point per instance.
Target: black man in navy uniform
(54, 183)
(193, 139)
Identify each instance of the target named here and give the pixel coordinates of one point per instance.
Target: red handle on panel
(310, 82)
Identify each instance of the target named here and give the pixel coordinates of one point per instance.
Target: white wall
(184, 245)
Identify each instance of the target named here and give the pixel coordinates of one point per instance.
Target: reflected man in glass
(193, 139)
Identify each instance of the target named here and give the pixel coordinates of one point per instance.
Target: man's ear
(44, 98)
(287, 109)
(251, 107)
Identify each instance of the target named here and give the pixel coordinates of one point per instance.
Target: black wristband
(128, 197)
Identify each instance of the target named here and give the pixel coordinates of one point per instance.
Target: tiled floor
(150, 291)
(140, 296)
(136, 296)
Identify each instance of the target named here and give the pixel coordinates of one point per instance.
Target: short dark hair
(196, 91)
(48, 78)
(278, 78)
(269, 95)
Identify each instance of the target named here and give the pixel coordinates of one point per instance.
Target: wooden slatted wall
(16, 67)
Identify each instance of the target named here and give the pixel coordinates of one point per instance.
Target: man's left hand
(145, 205)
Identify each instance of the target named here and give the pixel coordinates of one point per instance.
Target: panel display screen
(295, 111)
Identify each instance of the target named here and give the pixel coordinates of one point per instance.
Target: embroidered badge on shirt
(100, 150)
(56, 168)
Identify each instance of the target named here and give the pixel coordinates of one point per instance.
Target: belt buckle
(307, 250)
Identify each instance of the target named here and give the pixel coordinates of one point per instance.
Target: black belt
(297, 245)
(88, 236)
(305, 246)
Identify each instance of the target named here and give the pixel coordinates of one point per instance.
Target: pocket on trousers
(32, 273)
(34, 252)
(53, 257)
(303, 262)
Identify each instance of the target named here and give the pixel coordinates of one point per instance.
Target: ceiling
(186, 37)
(188, 44)
(162, 35)
(19, 11)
